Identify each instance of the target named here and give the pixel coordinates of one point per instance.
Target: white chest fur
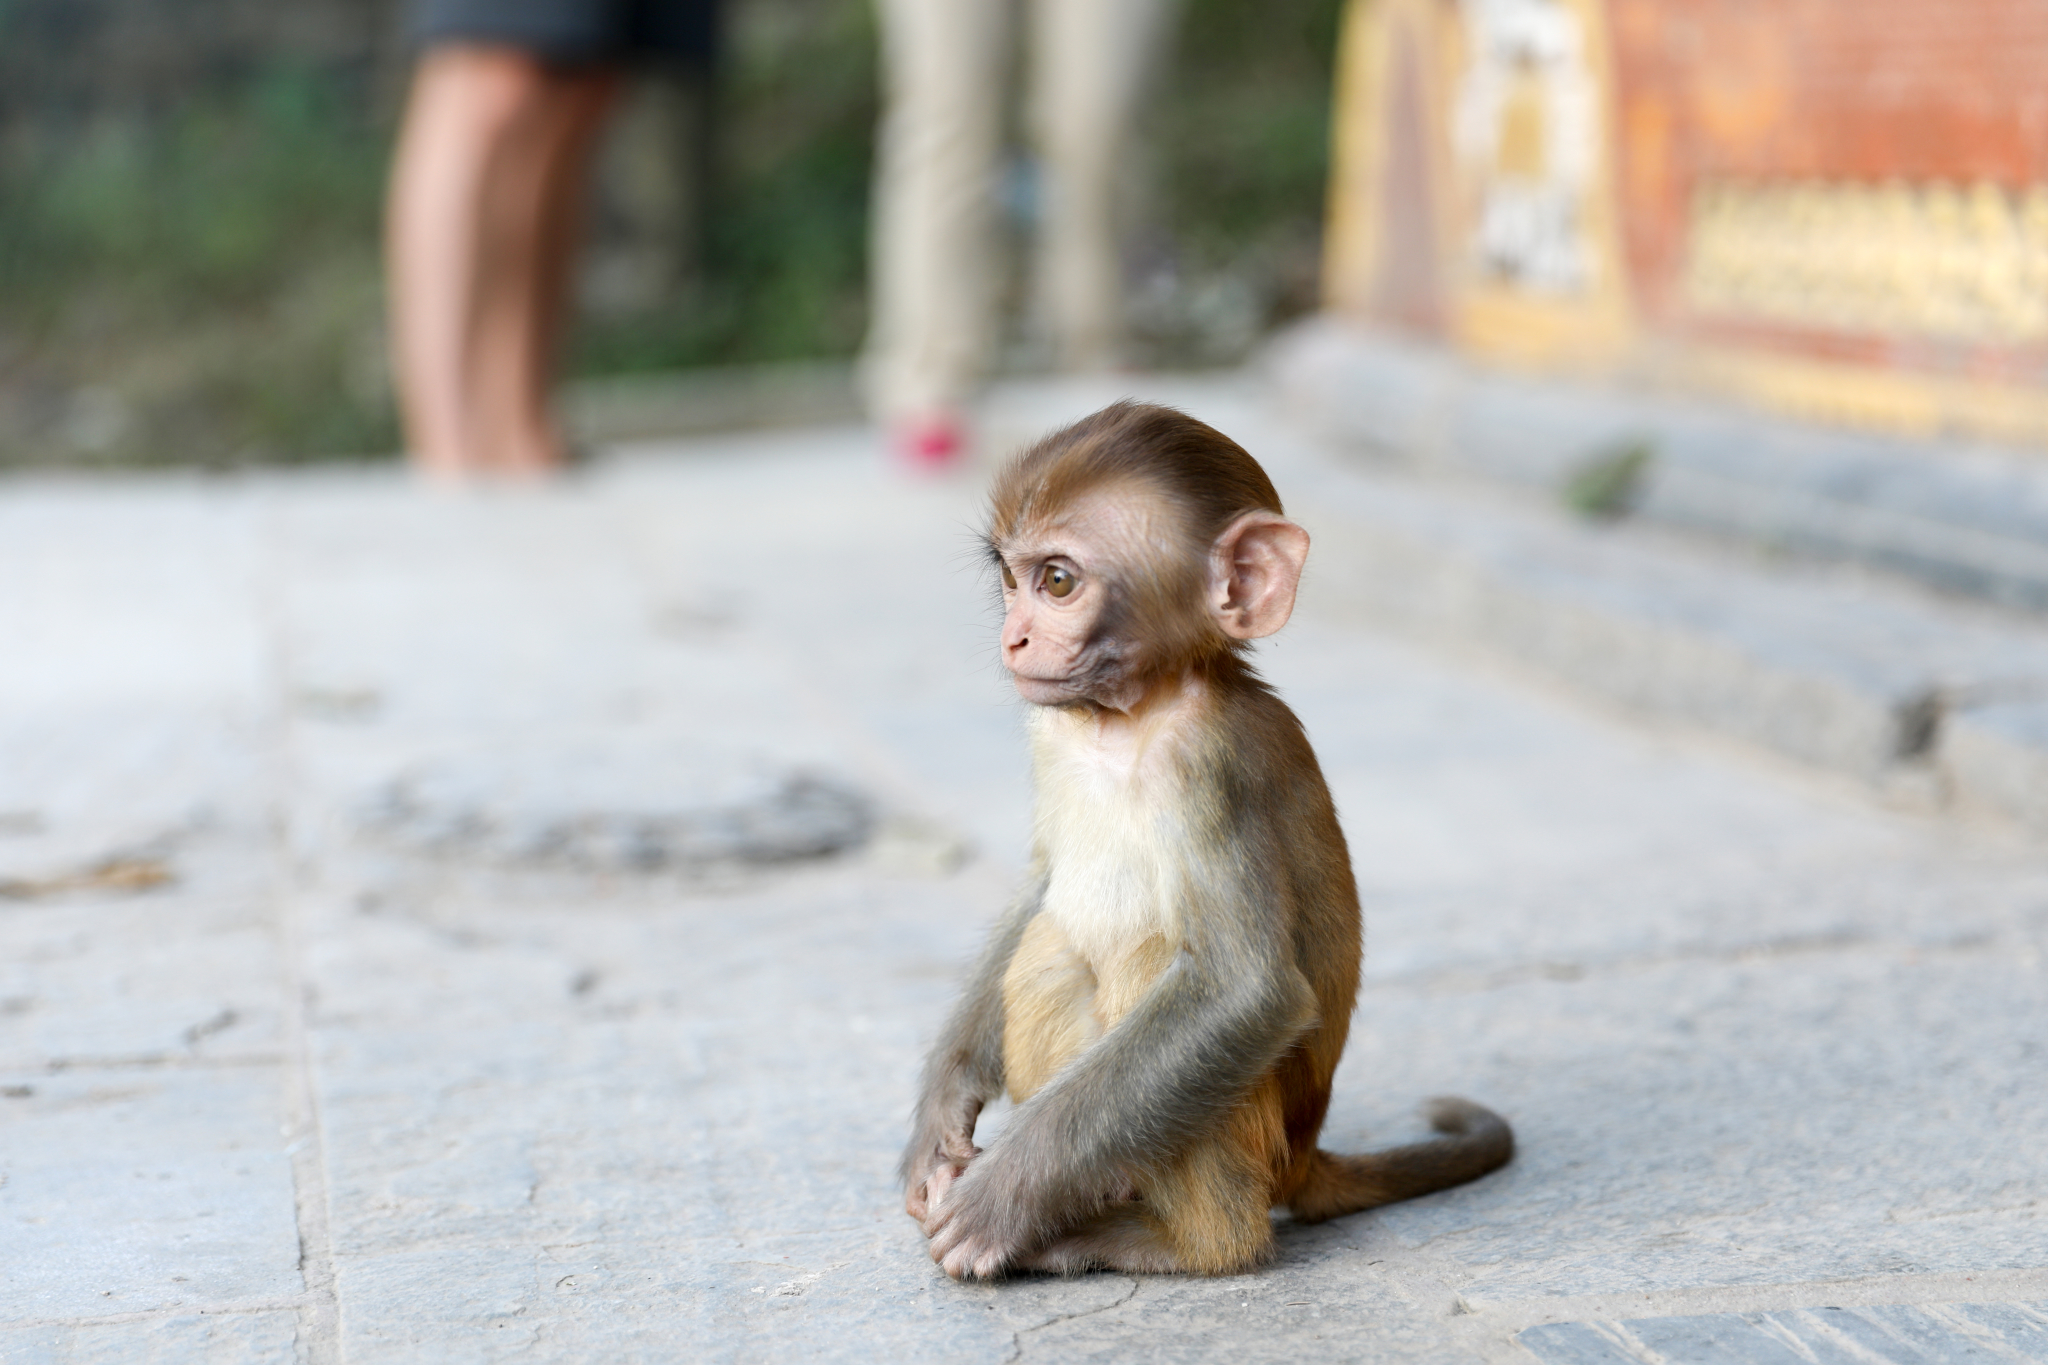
(1103, 821)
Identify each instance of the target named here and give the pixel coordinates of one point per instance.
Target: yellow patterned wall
(1548, 184)
(1950, 262)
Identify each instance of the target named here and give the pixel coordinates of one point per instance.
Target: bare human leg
(486, 199)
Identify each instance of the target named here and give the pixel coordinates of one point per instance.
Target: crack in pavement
(1017, 1337)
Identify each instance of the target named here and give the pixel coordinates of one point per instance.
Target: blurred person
(487, 196)
(943, 63)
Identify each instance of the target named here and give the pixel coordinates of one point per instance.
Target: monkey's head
(1135, 545)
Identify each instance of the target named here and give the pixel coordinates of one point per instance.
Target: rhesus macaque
(1167, 999)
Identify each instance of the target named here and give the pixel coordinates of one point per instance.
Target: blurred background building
(190, 200)
(1833, 208)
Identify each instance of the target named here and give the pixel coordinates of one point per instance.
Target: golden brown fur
(1168, 1001)
(1209, 1203)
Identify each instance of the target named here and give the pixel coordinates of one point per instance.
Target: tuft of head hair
(1209, 478)
(1199, 477)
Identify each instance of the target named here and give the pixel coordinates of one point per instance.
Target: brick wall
(1927, 121)
(1839, 206)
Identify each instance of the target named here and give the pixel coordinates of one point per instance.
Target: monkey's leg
(1206, 1214)
(1048, 1016)
(1126, 1237)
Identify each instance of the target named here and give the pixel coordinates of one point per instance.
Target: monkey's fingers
(957, 1258)
(968, 1255)
(935, 1189)
(915, 1202)
(946, 1232)
(974, 1259)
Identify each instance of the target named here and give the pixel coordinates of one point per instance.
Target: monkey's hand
(927, 1192)
(938, 1155)
(980, 1225)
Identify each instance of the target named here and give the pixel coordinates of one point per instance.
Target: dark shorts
(576, 31)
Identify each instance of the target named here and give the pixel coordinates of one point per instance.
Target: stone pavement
(461, 928)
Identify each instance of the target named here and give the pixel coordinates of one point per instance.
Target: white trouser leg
(931, 279)
(1090, 60)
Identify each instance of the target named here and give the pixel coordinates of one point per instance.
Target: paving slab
(1867, 1336)
(131, 1191)
(1767, 1045)
(232, 1338)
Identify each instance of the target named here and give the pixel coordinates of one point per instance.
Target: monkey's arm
(965, 1068)
(1215, 1020)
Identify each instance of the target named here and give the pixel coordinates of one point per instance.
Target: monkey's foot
(1124, 1237)
(971, 1258)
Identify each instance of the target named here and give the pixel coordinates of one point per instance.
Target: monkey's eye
(1057, 581)
(1009, 579)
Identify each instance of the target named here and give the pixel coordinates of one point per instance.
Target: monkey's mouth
(1092, 673)
(1048, 691)
(1068, 689)
(1028, 682)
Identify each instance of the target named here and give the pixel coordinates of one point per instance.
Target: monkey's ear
(1253, 573)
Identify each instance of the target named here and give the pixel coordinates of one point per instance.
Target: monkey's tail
(1474, 1141)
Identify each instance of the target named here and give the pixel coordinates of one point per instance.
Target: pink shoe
(932, 442)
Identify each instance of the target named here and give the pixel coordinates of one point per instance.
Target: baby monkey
(1168, 997)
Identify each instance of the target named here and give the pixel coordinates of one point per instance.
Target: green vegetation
(1606, 485)
(202, 285)
(198, 286)
(781, 273)
(1242, 129)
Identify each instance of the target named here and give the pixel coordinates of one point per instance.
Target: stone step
(1966, 519)
(1929, 699)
